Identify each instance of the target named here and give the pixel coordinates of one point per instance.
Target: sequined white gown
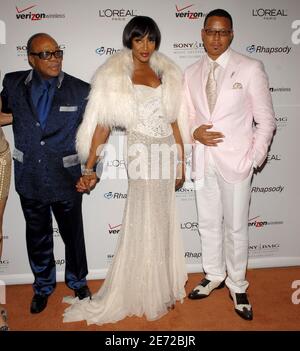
(148, 273)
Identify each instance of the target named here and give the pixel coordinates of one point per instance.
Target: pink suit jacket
(244, 97)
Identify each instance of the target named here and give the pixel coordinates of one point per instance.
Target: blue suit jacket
(45, 160)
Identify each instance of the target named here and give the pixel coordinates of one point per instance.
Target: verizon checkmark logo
(114, 226)
(185, 12)
(23, 10)
(183, 8)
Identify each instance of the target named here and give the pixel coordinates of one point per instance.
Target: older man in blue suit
(47, 106)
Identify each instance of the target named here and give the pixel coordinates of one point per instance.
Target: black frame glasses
(47, 55)
(222, 32)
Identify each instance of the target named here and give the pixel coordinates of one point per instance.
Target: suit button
(37, 124)
(43, 143)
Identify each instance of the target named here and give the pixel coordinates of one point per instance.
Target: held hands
(5, 118)
(86, 183)
(206, 137)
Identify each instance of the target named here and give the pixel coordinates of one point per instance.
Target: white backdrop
(90, 31)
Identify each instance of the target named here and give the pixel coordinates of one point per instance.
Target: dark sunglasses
(47, 55)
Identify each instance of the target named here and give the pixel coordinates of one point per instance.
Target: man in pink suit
(231, 123)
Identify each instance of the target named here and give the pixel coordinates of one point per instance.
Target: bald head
(32, 39)
(47, 68)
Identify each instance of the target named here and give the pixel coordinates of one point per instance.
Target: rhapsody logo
(56, 232)
(296, 34)
(60, 262)
(280, 90)
(113, 228)
(269, 13)
(259, 49)
(267, 189)
(190, 254)
(255, 222)
(273, 157)
(106, 51)
(111, 195)
(2, 32)
(117, 14)
(182, 13)
(25, 14)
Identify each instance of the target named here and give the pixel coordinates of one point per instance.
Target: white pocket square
(237, 85)
(68, 108)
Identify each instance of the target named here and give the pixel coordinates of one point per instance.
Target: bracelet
(87, 172)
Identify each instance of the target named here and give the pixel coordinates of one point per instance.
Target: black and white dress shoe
(204, 288)
(38, 303)
(242, 305)
(82, 292)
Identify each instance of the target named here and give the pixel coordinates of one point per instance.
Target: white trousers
(223, 210)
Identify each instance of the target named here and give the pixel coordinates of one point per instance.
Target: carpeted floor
(270, 293)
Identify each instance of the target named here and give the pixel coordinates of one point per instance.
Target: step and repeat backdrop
(89, 32)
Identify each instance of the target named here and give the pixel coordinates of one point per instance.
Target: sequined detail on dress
(151, 120)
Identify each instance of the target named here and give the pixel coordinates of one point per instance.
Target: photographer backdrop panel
(89, 32)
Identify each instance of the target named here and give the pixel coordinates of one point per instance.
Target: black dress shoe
(38, 303)
(242, 305)
(204, 288)
(82, 292)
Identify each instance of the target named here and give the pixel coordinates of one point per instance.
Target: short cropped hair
(31, 39)
(138, 27)
(218, 13)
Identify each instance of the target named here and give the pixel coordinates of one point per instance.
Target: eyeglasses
(221, 32)
(47, 55)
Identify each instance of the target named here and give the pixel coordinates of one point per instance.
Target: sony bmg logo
(24, 47)
(281, 119)
(267, 247)
(195, 45)
(269, 13)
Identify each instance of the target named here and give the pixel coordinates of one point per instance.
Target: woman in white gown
(140, 90)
